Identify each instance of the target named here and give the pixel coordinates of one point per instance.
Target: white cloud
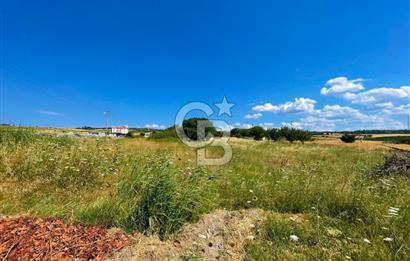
(314, 123)
(266, 125)
(379, 95)
(299, 105)
(337, 111)
(384, 105)
(243, 126)
(155, 126)
(253, 116)
(332, 117)
(398, 110)
(340, 85)
(50, 113)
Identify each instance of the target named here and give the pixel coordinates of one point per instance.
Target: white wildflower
(294, 238)
(250, 237)
(366, 240)
(388, 239)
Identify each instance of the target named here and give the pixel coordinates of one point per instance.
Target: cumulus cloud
(299, 105)
(340, 85)
(155, 126)
(243, 126)
(50, 113)
(331, 117)
(253, 116)
(398, 110)
(380, 95)
(313, 123)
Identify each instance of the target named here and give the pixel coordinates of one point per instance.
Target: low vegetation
(348, 138)
(323, 201)
(392, 139)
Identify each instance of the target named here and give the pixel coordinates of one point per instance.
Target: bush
(134, 134)
(348, 138)
(13, 135)
(302, 135)
(161, 199)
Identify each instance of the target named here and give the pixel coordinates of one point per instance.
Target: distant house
(120, 130)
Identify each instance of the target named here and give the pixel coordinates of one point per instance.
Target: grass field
(344, 212)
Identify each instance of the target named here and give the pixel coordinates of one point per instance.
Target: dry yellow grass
(364, 144)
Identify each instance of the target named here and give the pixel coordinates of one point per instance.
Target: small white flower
(388, 239)
(366, 240)
(250, 237)
(294, 238)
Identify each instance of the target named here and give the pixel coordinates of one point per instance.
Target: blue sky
(314, 64)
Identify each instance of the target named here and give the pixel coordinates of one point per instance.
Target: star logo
(224, 107)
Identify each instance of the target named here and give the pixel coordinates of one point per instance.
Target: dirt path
(220, 235)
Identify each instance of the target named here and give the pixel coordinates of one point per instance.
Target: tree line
(288, 133)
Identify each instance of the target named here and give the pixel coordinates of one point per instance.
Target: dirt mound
(25, 238)
(396, 164)
(220, 235)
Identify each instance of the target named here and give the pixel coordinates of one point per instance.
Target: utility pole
(408, 123)
(107, 118)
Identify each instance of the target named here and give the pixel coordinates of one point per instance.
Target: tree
(257, 132)
(288, 133)
(190, 127)
(236, 132)
(274, 134)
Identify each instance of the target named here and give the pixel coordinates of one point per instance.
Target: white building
(120, 130)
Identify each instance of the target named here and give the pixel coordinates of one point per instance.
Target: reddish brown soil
(27, 238)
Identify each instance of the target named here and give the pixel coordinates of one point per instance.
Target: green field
(155, 187)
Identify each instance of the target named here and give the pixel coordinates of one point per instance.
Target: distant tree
(190, 127)
(274, 134)
(302, 135)
(288, 133)
(348, 138)
(257, 132)
(236, 132)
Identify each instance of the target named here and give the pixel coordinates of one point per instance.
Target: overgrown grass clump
(161, 199)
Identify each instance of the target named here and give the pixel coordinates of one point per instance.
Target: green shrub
(133, 134)
(14, 135)
(348, 138)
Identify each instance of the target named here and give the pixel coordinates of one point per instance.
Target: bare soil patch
(220, 235)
